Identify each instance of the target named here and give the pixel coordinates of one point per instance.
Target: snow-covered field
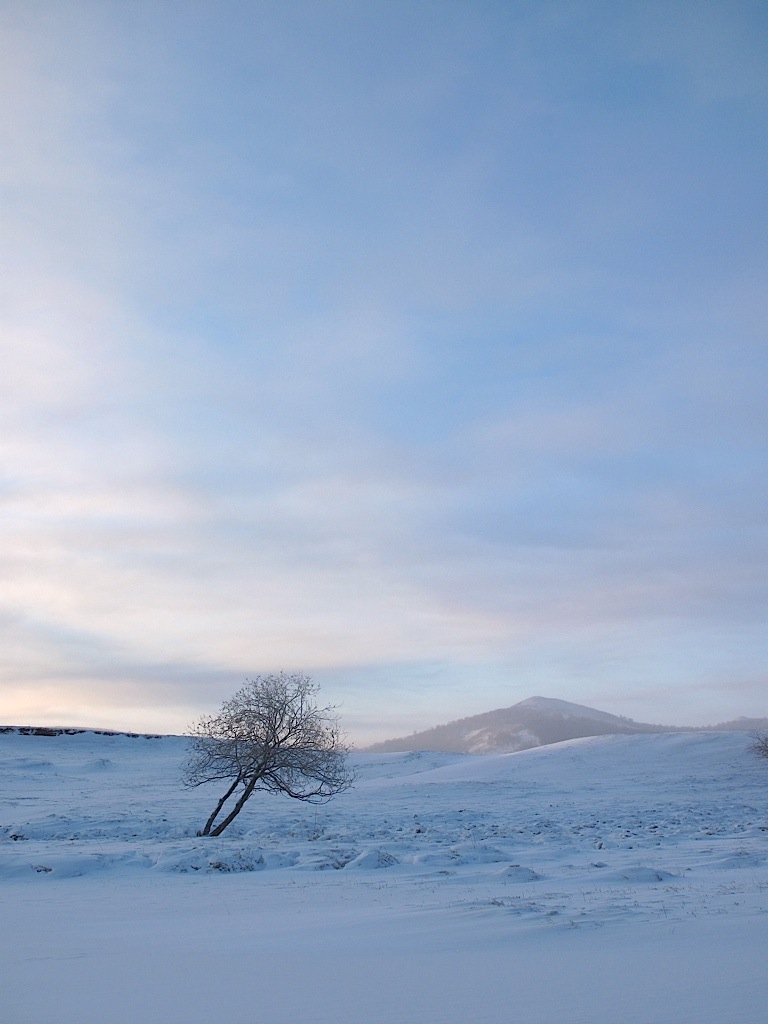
(611, 879)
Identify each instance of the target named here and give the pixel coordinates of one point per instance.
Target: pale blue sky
(419, 346)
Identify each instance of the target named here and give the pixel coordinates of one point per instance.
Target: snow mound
(642, 873)
(740, 859)
(518, 873)
(372, 860)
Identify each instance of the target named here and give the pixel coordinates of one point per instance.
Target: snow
(611, 878)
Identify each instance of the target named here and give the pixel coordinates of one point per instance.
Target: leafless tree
(270, 735)
(760, 743)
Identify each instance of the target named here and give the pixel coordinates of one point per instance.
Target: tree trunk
(237, 808)
(207, 830)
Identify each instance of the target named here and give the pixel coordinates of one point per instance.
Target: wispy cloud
(420, 348)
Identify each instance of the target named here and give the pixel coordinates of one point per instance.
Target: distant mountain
(535, 722)
(740, 725)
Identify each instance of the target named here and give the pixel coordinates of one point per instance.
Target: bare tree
(270, 735)
(760, 743)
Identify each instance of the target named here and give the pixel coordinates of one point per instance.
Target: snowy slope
(620, 877)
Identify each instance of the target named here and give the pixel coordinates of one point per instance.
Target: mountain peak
(565, 708)
(551, 704)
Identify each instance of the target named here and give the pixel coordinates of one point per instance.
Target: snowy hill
(534, 722)
(45, 730)
(440, 889)
(77, 802)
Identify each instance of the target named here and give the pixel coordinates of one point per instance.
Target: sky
(418, 346)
